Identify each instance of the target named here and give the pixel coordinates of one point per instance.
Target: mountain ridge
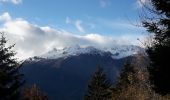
(117, 52)
(65, 77)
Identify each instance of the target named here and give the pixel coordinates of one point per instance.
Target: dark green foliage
(99, 87)
(34, 93)
(159, 52)
(133, 83)
(127, 76)
(10, 79)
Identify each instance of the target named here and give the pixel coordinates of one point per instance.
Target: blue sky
(77, 18)
(95, 15)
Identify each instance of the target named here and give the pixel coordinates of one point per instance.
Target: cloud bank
(16, 2)
(32, 40)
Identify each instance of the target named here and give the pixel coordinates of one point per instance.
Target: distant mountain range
(64, 73)
(117, 51)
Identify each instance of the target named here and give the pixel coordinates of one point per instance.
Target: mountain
(64, 73)
(117, 51)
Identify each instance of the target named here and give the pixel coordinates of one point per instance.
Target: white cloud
(103, 3)
(141, 3)
(79, 26)
(5, 17)
(68, 20)
(32, 40)
(16, 2)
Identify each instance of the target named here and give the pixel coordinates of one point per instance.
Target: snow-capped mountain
(117, 52)
(121, 51)
(64, 73)
(70, 51)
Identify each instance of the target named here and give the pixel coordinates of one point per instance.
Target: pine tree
(132, 83)
(99, 87)
(127, 76)
(34, 93)
(10, 79)
(158, 24)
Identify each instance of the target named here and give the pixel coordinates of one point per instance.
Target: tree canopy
(157, 22)
(99, 87)
(10, 78)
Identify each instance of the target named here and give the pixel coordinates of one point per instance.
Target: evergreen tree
(127, 76)
(34, 93)
(133, 82)
(10, 79)
(99, 87)
(158, 24)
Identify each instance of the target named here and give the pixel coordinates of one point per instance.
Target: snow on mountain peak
(116, 51)
(121, 51)
(70, 51)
